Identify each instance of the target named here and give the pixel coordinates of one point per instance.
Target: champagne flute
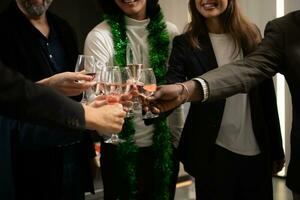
(113, 91)
(134, 62)
(127, 85)
(147, 87)
(98, 88)
(85, 64)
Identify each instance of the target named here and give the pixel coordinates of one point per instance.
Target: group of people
(231, 146)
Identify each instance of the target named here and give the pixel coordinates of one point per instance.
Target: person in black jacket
(22, 99)
(39, 45)
(278, 52)
(235, 148)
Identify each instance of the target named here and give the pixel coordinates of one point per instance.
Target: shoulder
(99, 42)
(288, 19)
(181, 40)
(172, 29)
(102, 27)
(57, 19)
(9, 16)
(10, 10)
(287, 25)
(181, 45)
(101, 31)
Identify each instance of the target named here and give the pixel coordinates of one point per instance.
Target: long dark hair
(109, 7)
(245, 34)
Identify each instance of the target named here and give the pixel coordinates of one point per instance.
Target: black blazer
(26, 101)
(20, 50)
(201, 128)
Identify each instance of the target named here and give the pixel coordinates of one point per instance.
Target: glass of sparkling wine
(98, 88)
(134, 61)
(113, 92)
(127, 88)
(147, 87)
(85, 64)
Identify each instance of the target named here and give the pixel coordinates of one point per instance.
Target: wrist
(195, 89)
(184, 94)
(203, 88)
(89, 123)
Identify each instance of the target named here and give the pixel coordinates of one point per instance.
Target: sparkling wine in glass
(127, 88)
(147, 87)
(85, 64)
(134, 61)
(98, 88)
(113, 91)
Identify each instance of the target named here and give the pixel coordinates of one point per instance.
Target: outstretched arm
(35, 103)
(168, 97)
(229, 79)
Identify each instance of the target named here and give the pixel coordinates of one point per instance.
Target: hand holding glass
(86, 65)
(113, 91)
(147, 87)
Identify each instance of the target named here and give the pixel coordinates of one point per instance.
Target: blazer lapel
(206, 55)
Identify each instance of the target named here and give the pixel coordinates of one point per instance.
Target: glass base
(114, 139)
(150, 115)
(136, 104)
(130, 114)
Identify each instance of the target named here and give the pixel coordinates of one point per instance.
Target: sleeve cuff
(204, 88)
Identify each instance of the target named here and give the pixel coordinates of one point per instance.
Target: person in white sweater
(155, 166)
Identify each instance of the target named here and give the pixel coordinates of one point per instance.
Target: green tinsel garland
(158, 40)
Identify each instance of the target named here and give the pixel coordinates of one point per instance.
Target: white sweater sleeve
(99, 44)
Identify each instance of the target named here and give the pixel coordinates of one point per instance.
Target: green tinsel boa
(158, 40)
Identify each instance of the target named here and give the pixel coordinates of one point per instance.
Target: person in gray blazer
(279, 52)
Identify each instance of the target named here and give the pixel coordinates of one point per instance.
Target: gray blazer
(278, 52)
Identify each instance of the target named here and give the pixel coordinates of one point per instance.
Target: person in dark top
(238, 138)
(277, 53)
(39, 45)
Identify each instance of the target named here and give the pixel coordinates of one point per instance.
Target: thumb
(157, 95)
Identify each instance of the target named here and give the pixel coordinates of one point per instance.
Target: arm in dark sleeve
(242, 75)
(268, 99)
(24, 100)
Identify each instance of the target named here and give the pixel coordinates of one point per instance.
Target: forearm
(44, 105)
(89, 118)
(22, 99)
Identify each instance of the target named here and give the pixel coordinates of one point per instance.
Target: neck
(214, 25)
(138, 17)
(41, 23)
